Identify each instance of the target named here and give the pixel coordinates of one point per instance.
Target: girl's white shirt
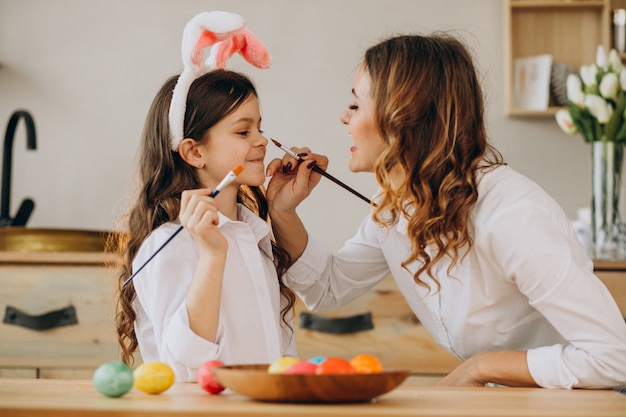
(251, 330)
(526, 284)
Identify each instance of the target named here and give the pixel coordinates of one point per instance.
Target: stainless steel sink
(18, 239)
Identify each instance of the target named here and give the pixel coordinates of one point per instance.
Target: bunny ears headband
(227, 34)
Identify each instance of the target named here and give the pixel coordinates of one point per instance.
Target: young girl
(214, 292)
(486, 259)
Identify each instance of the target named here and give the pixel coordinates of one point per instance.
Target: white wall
(88, 69)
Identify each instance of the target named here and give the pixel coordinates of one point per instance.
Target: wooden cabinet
(569, 30)
(38, 283)
(397, 338)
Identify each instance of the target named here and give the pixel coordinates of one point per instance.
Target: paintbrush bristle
(238, 169)
(276, 143)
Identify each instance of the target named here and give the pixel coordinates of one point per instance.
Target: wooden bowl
(255, 382)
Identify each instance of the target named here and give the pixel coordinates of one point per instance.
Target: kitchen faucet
(26, 208)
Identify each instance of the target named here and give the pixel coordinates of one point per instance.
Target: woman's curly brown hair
(430, 112)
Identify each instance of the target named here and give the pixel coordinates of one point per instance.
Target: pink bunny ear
(204, 30)
(247, 45)
(207, 38)
(227, 34)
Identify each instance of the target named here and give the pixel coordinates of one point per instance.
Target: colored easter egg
(206, 378)
(301, 368)
(366, 364)
(153, 377)
(281, 364)
(335, 366)
(317, 359)
(113, 379)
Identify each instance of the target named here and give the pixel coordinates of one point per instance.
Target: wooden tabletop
(67, 398)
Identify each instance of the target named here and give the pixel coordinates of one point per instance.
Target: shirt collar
(259, 227)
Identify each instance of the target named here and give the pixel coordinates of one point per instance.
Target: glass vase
(606, 183)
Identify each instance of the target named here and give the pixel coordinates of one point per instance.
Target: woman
(486, 259)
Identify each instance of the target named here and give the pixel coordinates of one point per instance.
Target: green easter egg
(113, 379)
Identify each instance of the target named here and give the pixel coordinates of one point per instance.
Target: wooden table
(67, 398)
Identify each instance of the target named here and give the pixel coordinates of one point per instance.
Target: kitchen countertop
(46, 397)
(108, 257)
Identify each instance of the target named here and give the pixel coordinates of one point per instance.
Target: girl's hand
(199, 215)
(292, 181)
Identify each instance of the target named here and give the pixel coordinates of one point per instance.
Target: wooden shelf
(557, 3)
(569, 30)
(517, 112)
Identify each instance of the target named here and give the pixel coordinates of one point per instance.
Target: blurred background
(87, 71)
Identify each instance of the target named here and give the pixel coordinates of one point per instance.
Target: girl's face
(360, 118)
(235, 140)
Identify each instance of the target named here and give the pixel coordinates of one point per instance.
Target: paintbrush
(227, 180)
(324, 174)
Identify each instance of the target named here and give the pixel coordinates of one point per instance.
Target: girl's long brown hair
(164, 176)
(430, 112)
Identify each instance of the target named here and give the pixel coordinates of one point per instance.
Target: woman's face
(360, 119)
(235, 140)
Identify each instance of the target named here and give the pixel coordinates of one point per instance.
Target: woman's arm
(538, 252)
(289, 232)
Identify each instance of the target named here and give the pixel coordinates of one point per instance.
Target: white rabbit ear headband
(227, 33)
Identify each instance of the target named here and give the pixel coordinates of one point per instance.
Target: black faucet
(26, 208)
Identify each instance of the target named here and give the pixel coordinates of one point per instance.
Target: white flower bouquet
(596, 100)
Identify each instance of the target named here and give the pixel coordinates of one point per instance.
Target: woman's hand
(292, 180)
(199, 215)
(464, 375)
(506, 367)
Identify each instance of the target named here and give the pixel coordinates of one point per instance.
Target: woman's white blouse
(525, 285)
(250, 330)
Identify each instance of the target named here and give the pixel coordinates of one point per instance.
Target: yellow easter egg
(153, 377)
(281, 364)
